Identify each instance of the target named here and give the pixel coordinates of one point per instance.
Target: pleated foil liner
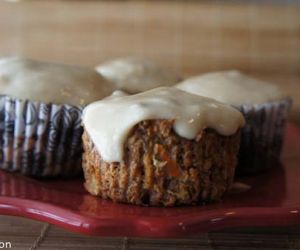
(263, 135)
(39, 139)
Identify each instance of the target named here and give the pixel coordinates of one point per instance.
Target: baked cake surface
(161, 168)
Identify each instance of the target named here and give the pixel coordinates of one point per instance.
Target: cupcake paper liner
(44, 140)
(40, 139)
(262, 137)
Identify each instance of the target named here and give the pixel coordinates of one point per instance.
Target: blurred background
(192, 37)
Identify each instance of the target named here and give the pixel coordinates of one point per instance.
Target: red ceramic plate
(272, 200)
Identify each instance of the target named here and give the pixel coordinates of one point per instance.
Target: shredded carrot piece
(171, 166)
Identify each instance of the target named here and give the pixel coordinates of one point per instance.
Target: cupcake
(264, 107)
(162, 147)
(134, 75)
(40, 115)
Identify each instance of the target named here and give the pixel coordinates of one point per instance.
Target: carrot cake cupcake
(135, 75)
(162, 147)
(264, 107)
(40, 115)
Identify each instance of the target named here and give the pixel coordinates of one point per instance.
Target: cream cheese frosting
(109, 121)
(48, 82)
(231, 87)
(135, 75)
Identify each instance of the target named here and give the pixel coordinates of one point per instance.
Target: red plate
(272, 200)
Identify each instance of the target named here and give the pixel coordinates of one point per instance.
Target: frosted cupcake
(265, 109)
(40, 115)
(134, 75)
(162, 147)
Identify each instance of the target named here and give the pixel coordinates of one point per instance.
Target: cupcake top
(135, 75)
(231, 87)
(48, 82)
(108, 122)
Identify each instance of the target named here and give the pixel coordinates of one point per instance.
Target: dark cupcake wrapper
(40, 139)
(262, 136)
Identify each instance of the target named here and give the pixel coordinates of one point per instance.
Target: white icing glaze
(49, 82)
(231, 87)
(118, 93)
(135, 75)
(109, 121)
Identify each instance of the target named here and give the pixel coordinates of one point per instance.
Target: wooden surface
(28, 234)
(188, 36)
